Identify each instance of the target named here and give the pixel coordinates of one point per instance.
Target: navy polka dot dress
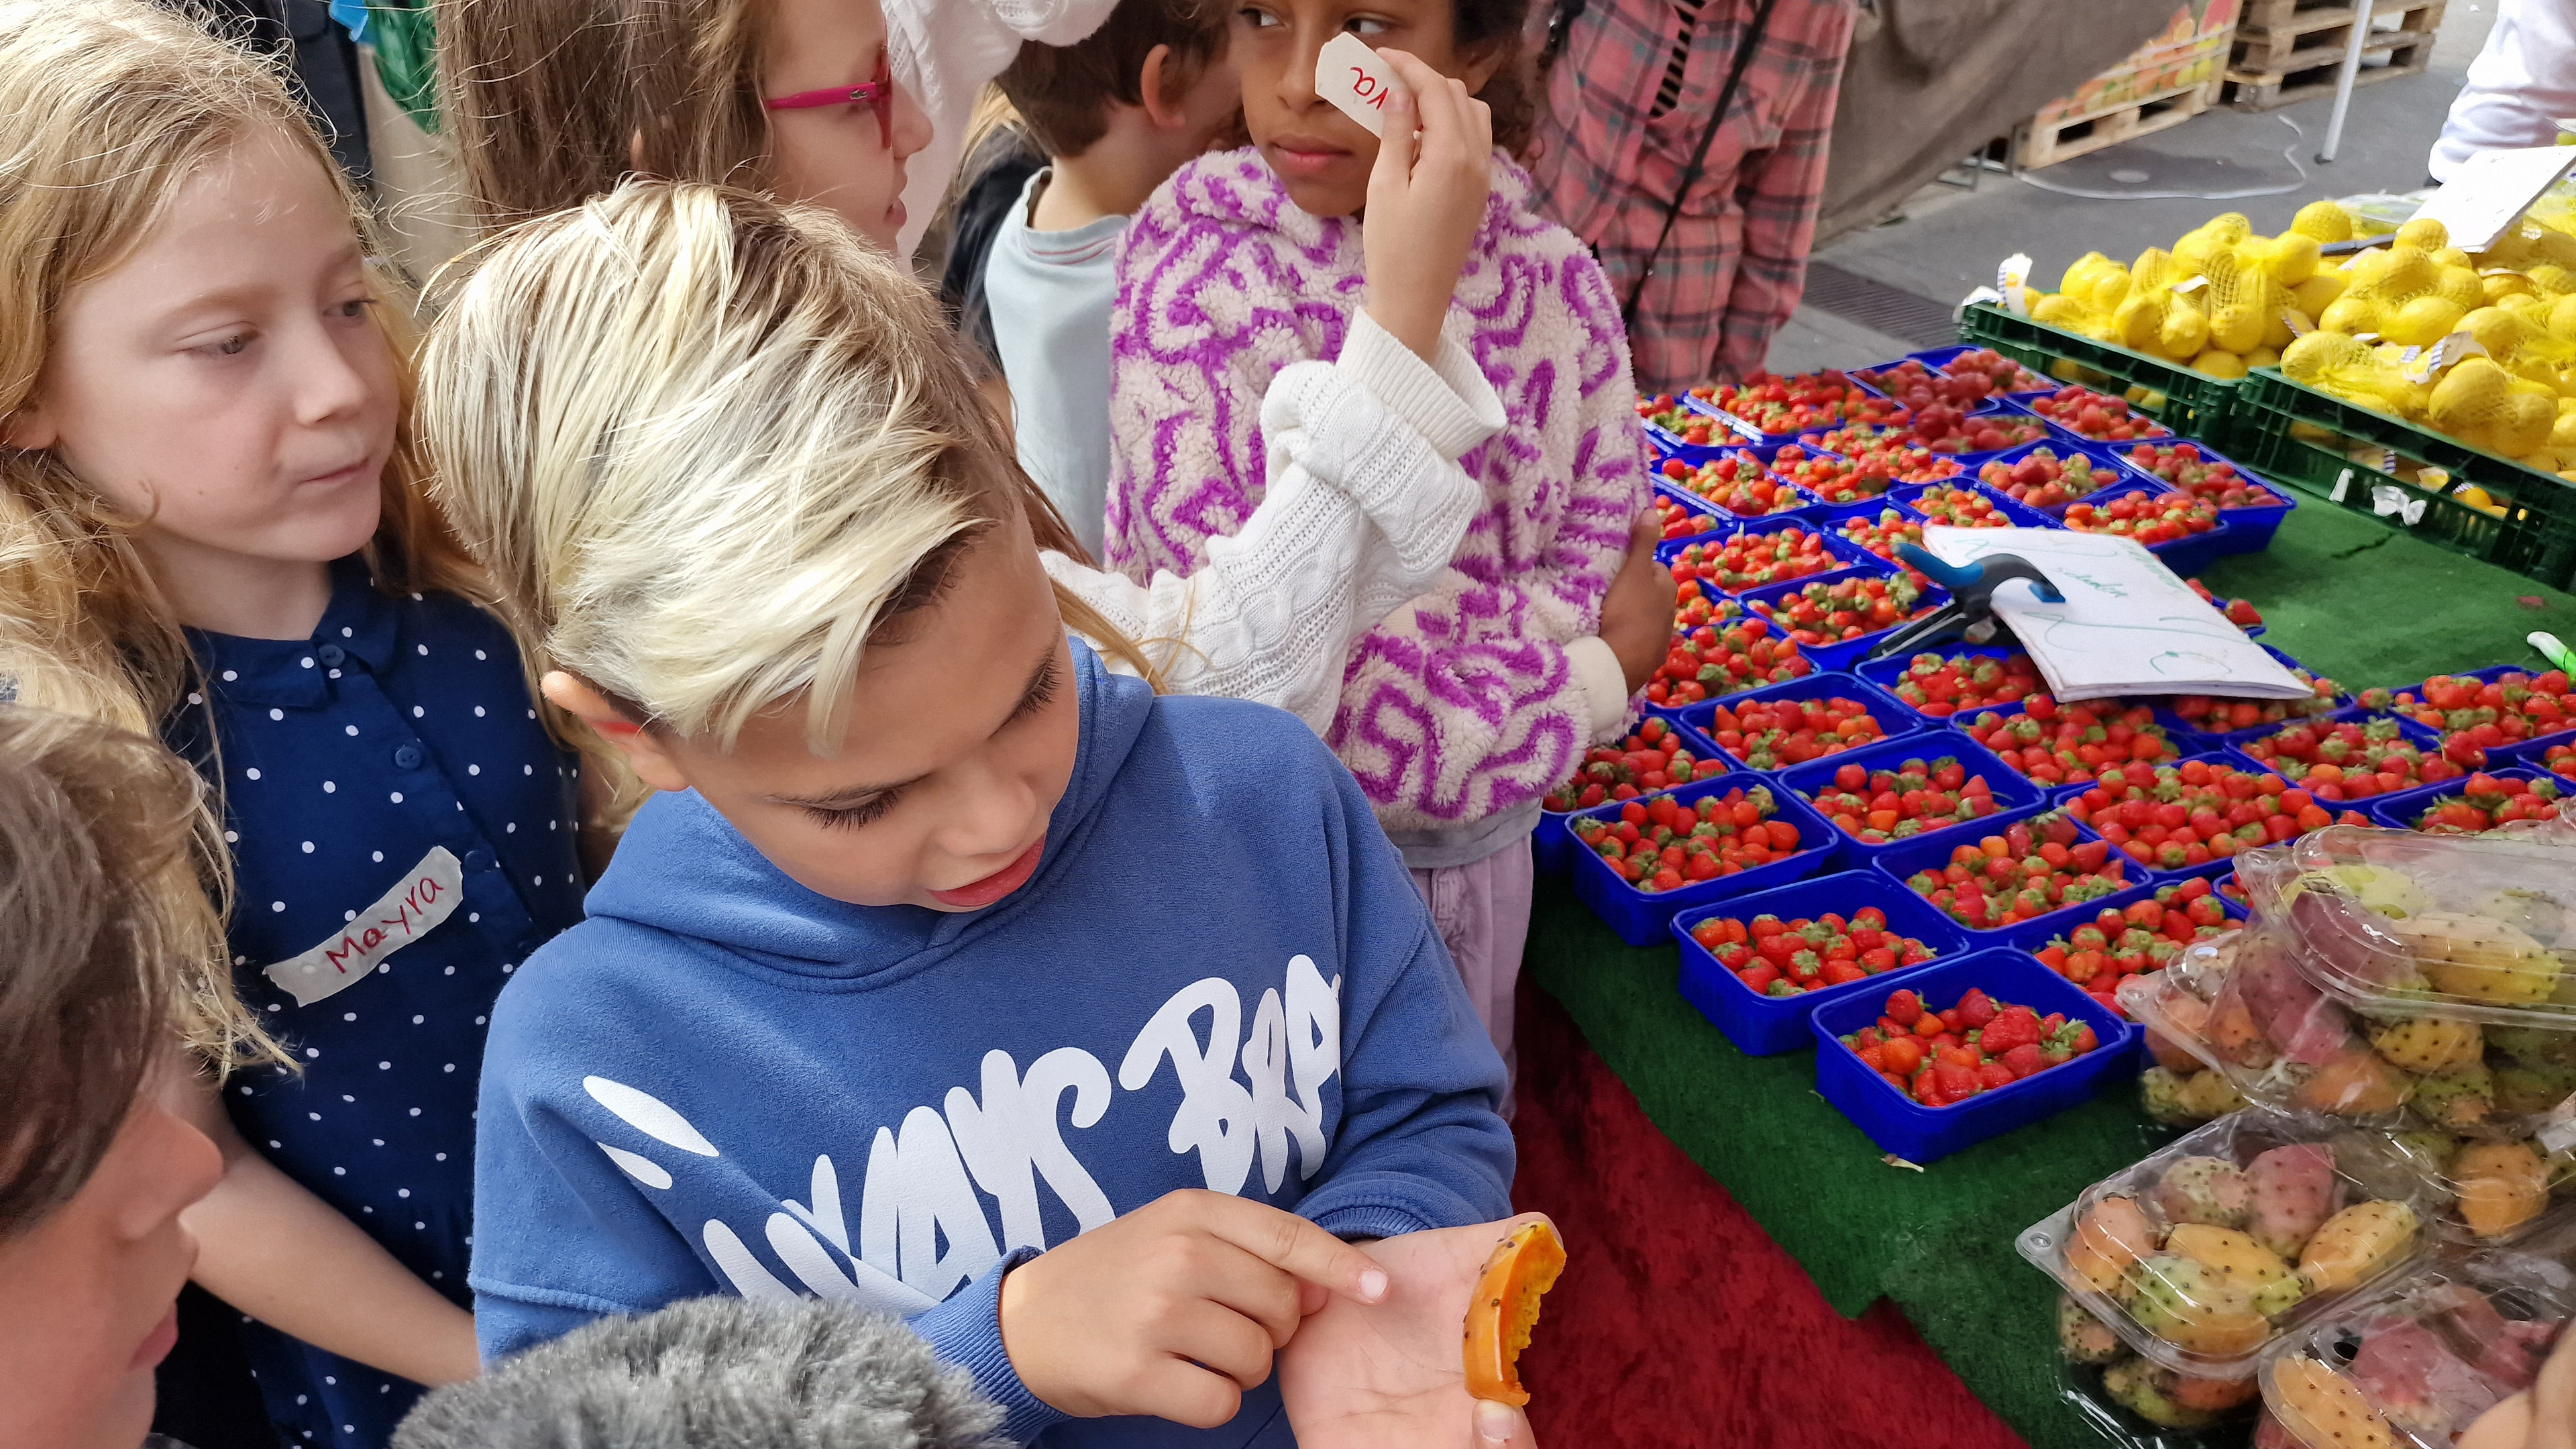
(402, 836)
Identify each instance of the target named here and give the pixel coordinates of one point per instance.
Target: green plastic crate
(2535, 537)
(2196, 405)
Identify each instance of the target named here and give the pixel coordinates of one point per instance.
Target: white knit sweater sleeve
(943, 52)
(1365, 507)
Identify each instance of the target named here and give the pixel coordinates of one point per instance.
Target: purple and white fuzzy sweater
(1460, 709)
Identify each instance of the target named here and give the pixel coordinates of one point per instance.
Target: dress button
(407, 757)
(332, 654)
(478, 860)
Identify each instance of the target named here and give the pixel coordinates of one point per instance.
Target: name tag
(425, 896)
(1353, 77)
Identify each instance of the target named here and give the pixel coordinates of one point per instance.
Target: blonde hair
(108, 108)
(708, 445)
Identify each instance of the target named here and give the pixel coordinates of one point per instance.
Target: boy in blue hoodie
(950, 974)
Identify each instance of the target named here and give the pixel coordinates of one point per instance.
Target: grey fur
(716, 1373)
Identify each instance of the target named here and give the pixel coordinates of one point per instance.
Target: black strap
(1745, 49)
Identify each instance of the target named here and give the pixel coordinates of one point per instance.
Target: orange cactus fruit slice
(1505, 1309)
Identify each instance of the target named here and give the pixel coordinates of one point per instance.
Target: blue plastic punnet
(2400, 809)
(1698, 722)
(1761, 1025)
(1761, 627)
(1899, 1124)
(1932, 853)
(1639, 917)
(1842, 653)
(1885, 673)
(2015, 797)
(1848, 555)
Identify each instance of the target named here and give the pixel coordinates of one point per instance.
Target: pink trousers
(1482, 910)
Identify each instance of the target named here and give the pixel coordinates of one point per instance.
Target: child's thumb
(1395, 144)
(1502, 1425)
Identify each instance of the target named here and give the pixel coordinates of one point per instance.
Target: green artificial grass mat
(2347, 596)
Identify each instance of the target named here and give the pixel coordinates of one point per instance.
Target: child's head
(750, 518)
(196, 370)
(93, 1173)
(1320, 155)
(1165, 59)
(552, 101)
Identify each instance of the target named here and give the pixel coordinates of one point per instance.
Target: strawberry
(2023, 1060)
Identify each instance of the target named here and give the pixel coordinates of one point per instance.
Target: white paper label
(2290, 318)
(426, 895)
(2343, 485)
(1355, 79)
(2387, 499)
(2189, 285)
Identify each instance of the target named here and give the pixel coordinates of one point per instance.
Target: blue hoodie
(724, 1082)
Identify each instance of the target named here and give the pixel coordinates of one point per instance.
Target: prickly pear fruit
(2533, 1089)
(2478, 959)
(2531, 1047)
(2144, 1390)
(2169, 1055)
(2234, 1036)
(2459, 1097)
(2160, 1093)
(2082, 1337)
(2252, 1270)
(2208, 1190)
(2111, 1235)
(2383, 889)
(2502, 1185)
(2295, 1190)
(2354, 1082)
(2193, 1307)
(2213, 1396)
(2355, 1243)
(2210, 1096)
(2427, 1044)
(2319, 1406)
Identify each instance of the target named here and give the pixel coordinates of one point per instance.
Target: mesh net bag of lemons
(2225, 300)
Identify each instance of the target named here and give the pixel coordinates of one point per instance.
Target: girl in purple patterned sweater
(1463, 706)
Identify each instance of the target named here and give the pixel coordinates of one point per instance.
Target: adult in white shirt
(2519, 87)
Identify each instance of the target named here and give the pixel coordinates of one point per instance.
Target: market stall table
(2352, 600)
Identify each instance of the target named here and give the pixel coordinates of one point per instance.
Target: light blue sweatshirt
(1220, 977)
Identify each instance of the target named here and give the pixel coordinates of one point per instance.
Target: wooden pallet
(2286, 51)
(2035, 145)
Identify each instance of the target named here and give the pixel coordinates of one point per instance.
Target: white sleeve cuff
(1605, 684)
(1451, 405)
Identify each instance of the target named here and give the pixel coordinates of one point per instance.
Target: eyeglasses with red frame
(877, 95)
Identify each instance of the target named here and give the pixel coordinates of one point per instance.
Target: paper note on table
(1357, 79)
(2127, 625)
(2492, 190)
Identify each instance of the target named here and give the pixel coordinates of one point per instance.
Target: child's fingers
(1292, 1245)
(1184, 1393)
(1222, 1339)
(1395, 145)
(1500, 1426)
(1258, 1293)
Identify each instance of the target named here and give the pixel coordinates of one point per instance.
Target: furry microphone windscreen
(716, 1373)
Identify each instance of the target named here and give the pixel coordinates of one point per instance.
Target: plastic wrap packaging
(2412, 1365)
(2138, 1404)
(2181, 1088)
(2200, 1255)
(2489, 1134)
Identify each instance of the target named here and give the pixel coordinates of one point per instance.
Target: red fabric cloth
(1678, 1321)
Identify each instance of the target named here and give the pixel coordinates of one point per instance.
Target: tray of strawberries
(2080, 412)
(1756, 965)
(1955, 505)
(2557, 759)
(1833, 618)
(1680, 431)
(2486, 709)
(2481, 802)
(1834, 479)
(1789, 724)
(1712, 660)
(1768, 409)
(2233, 721)
(2194, 469)
(2142, 934)
(1640, 862)
(1737, 482)
(2045, 477)
(1877, 532)
(1917, 384)
(1939, 686)
(1910, 787)
(1763, 553)
(1680, 520)
(1968, 1048)
(2004, 375)
(2152, 518)
(1658, 756)
(2026, 871)
(2350, 755)
(2181, 817)
(2056, 743)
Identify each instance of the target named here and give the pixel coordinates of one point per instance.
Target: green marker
(2551, 650)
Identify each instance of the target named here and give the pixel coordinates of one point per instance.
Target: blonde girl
(552, 101)
(212, 528)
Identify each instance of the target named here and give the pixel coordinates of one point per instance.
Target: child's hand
(1175, 1309)
(2542, 1416)
(1637, 613)
(1426, 198)
(1390, 1375)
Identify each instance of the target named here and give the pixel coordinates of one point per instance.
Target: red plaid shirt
(1732, 269)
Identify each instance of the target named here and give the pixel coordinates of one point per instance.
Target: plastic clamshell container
(2424, 1356)
(2116, 1241)
(1889, 672)
(2175, 724)
(1675, 488)
(1640, 917)
(1698, 721)
(2396, 923)
(1932, 853)
(2020, 515)
(2085, 1390)
(2400, 809)
(1919, 1134)
(2099, 455)
(2251, 527)
(1762, 1026)
(2489, 675)
(1842, 654)
(2015, 798)
(1765, 630)
(1846, 555)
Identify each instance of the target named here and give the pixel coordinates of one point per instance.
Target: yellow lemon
(2059, 310)
(2319, 292)
(2324, 221)
(2110, 287)
(2424, 234)
(2505, 284)
(2525, 424)
(2262, 357)
(2184, 333)
(2229, 227)
(2461, 285)
(2350, 316)
(2422, 322)
(2236, 328)
(2218, 362)
(2291, 258)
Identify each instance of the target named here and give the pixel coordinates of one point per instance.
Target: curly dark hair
(1484, 29)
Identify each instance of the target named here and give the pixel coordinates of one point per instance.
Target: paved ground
(1946, 240)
